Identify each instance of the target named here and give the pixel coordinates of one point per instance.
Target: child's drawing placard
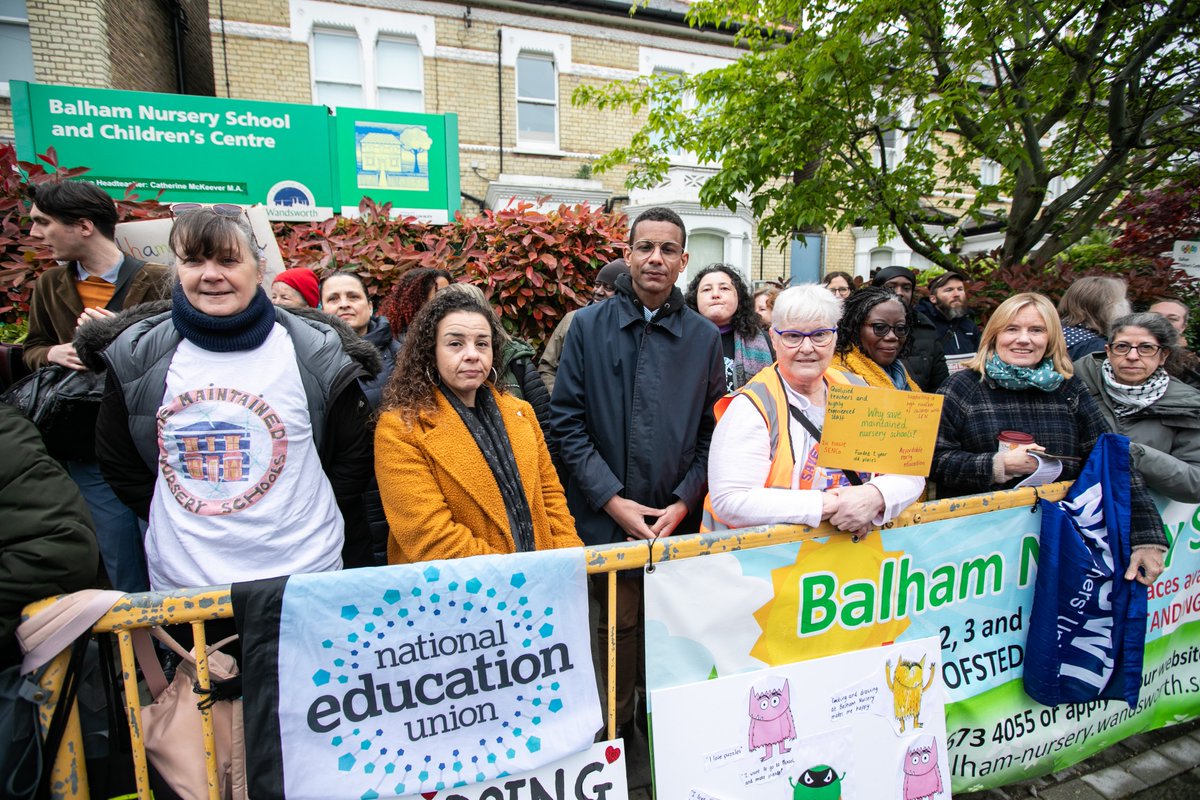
(803, 729)
(879, 430)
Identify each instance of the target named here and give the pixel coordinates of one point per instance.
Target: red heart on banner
(612, 754)
(429, 795)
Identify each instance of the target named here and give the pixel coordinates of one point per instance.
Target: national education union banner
(419, 678)
(969, 582)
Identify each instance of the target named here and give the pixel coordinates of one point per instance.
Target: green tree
(877, 113)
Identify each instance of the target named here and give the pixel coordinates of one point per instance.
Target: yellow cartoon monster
(906, 688)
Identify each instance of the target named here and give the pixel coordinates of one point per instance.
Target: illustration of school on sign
(217, 452)
(391, 156)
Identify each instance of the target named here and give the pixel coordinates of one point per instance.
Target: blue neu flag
(1088, 624)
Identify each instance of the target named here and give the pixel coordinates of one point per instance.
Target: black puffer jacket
(379, 334)
(926, 363)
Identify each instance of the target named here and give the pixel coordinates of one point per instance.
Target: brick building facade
(506, 68)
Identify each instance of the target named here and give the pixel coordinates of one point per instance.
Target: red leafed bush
(22, 258)
(533, 266)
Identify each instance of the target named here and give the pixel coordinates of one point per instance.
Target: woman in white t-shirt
(238, 429)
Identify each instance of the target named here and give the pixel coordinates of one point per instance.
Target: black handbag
(63, 403)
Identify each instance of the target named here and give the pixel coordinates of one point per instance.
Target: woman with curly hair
(414, 289)
(873, 336)
(462, 466)
(720, 295)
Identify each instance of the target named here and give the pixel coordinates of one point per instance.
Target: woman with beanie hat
(296, 288)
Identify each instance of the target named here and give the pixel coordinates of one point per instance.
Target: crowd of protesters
(425, 431)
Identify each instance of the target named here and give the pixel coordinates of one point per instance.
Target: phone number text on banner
(969, 581)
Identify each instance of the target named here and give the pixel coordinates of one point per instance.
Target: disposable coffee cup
(1011, 440)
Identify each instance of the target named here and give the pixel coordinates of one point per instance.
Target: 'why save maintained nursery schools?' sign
(285, 156)
(967, 584)
(418, 678)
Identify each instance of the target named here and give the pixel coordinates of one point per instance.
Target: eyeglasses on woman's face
(793, 339)
(1145, 349)
(881, 329)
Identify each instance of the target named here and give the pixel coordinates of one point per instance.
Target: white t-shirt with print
(240, 493)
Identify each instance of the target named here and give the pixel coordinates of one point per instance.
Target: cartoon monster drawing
(771, 719)
(906, 689)
(922, 778)
(818, 783)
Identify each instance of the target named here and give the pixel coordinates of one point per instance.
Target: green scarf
(1043, 376)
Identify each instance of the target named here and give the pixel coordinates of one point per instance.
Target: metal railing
(197, 606)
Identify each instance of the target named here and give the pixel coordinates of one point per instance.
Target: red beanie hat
(303, 281)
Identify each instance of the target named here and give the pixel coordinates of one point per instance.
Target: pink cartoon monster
(771, 719)
(922, 778)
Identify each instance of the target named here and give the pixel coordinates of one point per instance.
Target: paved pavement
(1159, 765)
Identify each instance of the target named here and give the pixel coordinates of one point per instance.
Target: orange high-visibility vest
(766, 391)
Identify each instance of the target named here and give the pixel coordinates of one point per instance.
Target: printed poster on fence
(969, 582)
(866, 725)
(595, 774)
(417, 678)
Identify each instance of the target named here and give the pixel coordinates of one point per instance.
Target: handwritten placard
(880, 430)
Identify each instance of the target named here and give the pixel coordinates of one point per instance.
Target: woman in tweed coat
(1021, 380)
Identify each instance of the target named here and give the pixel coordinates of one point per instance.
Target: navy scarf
(244, 330)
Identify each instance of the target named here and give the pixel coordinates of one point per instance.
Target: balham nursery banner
(426, 678)
(809, 648)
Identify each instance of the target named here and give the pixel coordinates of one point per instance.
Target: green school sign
(285, 156)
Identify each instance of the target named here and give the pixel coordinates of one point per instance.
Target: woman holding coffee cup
(1018, 396)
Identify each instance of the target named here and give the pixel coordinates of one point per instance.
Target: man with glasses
(632, 413)
(604, 288)
(77, 222)
(926, 363)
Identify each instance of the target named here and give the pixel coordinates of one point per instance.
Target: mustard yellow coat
(438, 491)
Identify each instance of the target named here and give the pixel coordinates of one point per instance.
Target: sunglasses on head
(227, 210)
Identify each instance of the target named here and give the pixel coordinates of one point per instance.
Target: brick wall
(70, 43)
(141, 40)
(266, 12)
(262, 69)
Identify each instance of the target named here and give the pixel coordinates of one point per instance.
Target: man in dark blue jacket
(632, 413)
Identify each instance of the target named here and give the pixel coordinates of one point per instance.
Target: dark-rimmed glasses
(881, 329)
(819, 338)
(1145, 349)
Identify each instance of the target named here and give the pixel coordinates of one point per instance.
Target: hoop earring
(495, 377)
(429, 378)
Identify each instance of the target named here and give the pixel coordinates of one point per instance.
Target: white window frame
(369, 25)
(551, 102)
(653, 59)
(5, 89)
(517, 42)
(989, 172)
(418, 82)
(343, 33)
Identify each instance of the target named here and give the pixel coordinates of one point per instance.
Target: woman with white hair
(762, 465)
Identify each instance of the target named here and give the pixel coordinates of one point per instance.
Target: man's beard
(952, 312)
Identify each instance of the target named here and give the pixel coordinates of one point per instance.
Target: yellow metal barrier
(198, 606)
